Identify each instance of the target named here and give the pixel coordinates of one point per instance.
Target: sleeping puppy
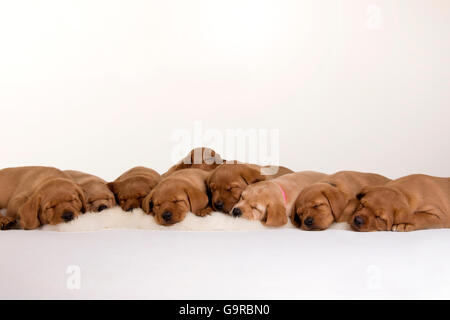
(271, 201)
(227, 182)
(182, 192)
(199, 158)
(133, 186)
(39, 195)
(410, 203)
(98, 195)
(333, 199)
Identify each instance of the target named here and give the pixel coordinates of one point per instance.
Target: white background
(102, 85)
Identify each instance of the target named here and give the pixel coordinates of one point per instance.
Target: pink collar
(282, 192)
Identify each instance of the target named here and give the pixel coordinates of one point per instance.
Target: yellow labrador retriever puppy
(227, 182)
(182, 192)
(98, 195)
(199, 158)
(133, 186)
(271, 201)
(39, 195)
(410, 203)
(333, 199)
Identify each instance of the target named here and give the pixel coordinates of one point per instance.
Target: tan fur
(133, 186)
(39, 195)
(182, 192)
(264, 200)
(199, 158)
(410, 203)
(227, 182)
(98, 195)
(332, 199)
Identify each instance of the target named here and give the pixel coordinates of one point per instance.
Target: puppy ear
(198, 200)
(82, 196)
(29, 213)
(111, 186)
(348, 211)
(251, 175)
(147, 203)
(402, 211)
(336, 199)
(295, 219)
(275, 215)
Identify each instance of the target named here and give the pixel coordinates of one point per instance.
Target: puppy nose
(358, 221)
(309, 222)
(167, 216)
(130, 209)
(218, 204)
(237, 212)
(67, 216)
(102, 207)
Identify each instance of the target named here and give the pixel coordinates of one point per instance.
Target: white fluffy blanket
(116, 218)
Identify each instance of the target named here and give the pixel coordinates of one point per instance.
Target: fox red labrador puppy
(133, 186)
(227, 182)
(333, 199)
(35, 196)
(199, 158)
(182, 192)
(271, 201)
(98, 196)
(410, 203)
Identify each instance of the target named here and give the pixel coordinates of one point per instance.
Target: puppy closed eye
(317, 205)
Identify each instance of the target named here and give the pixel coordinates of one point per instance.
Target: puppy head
(378, 208)
(172, 199)
(130, 192)
(56, 201)
(98, 197)
(318, 206)
(201, 158)
(262, 201)
(227, 182)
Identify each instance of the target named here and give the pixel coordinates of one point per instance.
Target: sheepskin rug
(116, 218)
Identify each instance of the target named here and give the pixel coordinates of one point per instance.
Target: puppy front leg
(203, 212)
(427, 218)
(7, 223)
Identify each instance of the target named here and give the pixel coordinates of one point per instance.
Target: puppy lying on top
(133, 186)
(38, 195)
(199, 158)
(227, 182)
(98, 195)
(410, 203)
(333, 199)
(271, 201)
(182, 192)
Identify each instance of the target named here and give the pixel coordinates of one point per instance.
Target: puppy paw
(204, 212)
(7, 223)
(402, 227)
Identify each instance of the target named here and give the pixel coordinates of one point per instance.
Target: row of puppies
(312, 200)
(34, 196)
